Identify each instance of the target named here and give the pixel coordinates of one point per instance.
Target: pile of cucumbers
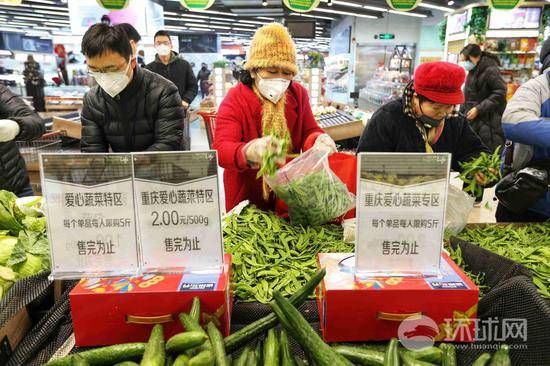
(198, 346)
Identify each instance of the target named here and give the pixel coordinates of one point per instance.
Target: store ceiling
(237, 17)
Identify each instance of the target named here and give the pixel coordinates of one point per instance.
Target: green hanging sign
(301, 6)
(403, 5)
(504, 4)
(197, 4)
(113, 4)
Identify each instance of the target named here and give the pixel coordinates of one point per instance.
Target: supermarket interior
(274, 182)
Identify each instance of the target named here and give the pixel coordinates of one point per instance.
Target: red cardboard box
(115, 310)
(373, 309)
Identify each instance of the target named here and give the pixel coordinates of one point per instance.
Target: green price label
(197, 4)
(301, 6)
(113, 4)
(504, 4)
(403, 5)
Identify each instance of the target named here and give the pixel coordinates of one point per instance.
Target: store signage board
(178, 211)
(301, 6)
(197, 4)
(400, 213)
(90, 213)
(113, 4)
(403, 5)
(504, 4)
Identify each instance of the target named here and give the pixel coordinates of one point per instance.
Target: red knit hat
(440, 82)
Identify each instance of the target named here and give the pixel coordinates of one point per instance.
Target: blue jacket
(526, 122)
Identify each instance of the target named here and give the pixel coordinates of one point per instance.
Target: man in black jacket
(17, 122)
(130, 109)
(168, 64)
(424, 120)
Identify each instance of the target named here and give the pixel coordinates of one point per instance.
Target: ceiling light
(264, 3)
(329, 2)
(265, 18)
(375, 8)
(345, 13)
(243, 29)
(201, 29)
(436, 7)
(451, 2)
(251, 22)
(197, 25)
(219, 12)
(186, 20)
(49, 12)
(409, 14)
(51, 2)
(313, 16)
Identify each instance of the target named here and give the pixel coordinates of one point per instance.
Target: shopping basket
(210, 122)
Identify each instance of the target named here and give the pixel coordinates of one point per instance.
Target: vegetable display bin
(373, 309)
(116, 310)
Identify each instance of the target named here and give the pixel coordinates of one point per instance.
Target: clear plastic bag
(459, 206)
(313, 193)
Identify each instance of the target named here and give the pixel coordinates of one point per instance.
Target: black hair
(131, 32)
(423, 99)
(243, 76)
(161, 33)
(473, 50)
(101, 38)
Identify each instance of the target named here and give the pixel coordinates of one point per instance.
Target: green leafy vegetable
(7, 243)
(10, 215)
(485, 167)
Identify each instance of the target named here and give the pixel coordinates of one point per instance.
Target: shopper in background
(526, 123)
(202, 77)
(265, 101)
(34, 83)
(17, 122)
(425, 119)
(141, 58)
(168, 64)
(485, 93)
(132, 109)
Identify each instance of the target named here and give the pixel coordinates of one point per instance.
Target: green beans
(269, 254)
(477, 278)
(486, 164)
(527, 245)
(269, 160)
(315, 198)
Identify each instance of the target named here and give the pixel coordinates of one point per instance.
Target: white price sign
(90, 213)
(178, 208)
(401, 213)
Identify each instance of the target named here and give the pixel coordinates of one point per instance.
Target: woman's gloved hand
(255, 150)
(325, 142)
(8, 130)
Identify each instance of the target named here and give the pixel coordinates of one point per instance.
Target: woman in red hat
(425, 119)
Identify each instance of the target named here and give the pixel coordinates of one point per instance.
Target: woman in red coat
(265, 102)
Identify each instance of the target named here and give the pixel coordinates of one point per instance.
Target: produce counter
(340, 124)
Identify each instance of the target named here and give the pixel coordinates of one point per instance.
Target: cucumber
(243, 357)
(501, 357)
(361, 356)
(154, 354)
(428, 354)
(195, 312)
(304, 334)
(259, 352)
(184, 341)
(408, 360)
(126, 363)
(189, 323)
(253, 330)
(181, 360)
(79, 361)
(205, 358)
(271, 349)
(482, 360)
(218, 347)
(391, 358)
(105, 355)
(449, 354)
(285, 354)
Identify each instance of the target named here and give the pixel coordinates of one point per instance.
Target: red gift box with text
(115, 310)
(372, 308)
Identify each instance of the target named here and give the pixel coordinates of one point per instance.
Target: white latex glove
(256, 149)
(8, 130)
(326, 143)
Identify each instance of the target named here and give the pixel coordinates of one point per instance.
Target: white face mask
(112, 82)
(273, 89)
(163, 50)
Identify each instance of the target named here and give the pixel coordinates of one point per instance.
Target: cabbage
(30, 206)
(36, 224)
(31, 266)
(7, 243)
(10, 215)
(7, 274)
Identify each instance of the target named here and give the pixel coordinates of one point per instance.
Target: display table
(340, 125)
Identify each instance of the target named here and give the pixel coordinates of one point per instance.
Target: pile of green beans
(486, 164)
(315, 198)
(477, 278)
(527, 245)
(269, 254)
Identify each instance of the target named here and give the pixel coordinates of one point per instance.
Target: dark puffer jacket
(180, 73)
(13, 172)
(146, 116)
(485, 89)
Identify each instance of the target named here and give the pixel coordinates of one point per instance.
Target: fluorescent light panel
(408, 13)
(345, 13)
(436, 7)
